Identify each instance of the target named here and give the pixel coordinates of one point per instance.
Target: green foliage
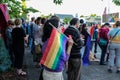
(58, 1)
(117, 2)
(16, 9)
(1, 1)
(43, 16)
(49, 15)
(82, 16)
(27, 10)
(46, 16)
(93, 15)
(31, 9)
(66, 20)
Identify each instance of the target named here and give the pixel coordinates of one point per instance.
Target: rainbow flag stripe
(54, 52)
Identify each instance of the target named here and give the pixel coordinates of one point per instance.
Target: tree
(49, 15)
(16, 9)
(117, 2)
(46, 16)
(82, 16)
(43, 16)
(58, 1)
(93, 15)
(66, 20)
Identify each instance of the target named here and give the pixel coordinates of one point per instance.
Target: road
(92, 72)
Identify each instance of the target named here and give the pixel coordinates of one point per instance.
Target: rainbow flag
(54, 51)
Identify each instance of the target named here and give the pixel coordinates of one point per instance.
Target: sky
(80, 7)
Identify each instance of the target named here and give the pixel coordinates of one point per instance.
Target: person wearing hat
(107, 24)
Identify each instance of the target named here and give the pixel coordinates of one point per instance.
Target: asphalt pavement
(92, 72)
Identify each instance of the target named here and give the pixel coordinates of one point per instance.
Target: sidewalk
(32, 71)
(91, 72)
(98, 72)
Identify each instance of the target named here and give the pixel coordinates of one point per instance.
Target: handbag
(37, 49)
(102, 41)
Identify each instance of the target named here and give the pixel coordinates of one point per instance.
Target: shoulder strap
(116, 33)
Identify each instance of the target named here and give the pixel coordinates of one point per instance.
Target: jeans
(114, 54)
(95, 46)
(104, 51)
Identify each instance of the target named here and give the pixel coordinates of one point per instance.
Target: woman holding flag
(54, 51)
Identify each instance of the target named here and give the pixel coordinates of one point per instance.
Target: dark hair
(47, 29)
(107, 24)
(0, 31)
(10, 22)
(38, 18)
(56, 17)
(18, 21)
(33, 18)
(117, 23)
(83, 26)
(43, 20)
(23, 20)
(81, 21)
(102, 26)
(74, 21)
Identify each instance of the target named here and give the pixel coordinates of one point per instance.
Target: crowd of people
(36, 33)
(108, 40)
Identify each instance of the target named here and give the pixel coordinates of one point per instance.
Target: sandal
(22, 73)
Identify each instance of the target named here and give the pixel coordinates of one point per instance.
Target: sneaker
(110, 70)
(103, 63)
(118, 71)
(21, 73)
